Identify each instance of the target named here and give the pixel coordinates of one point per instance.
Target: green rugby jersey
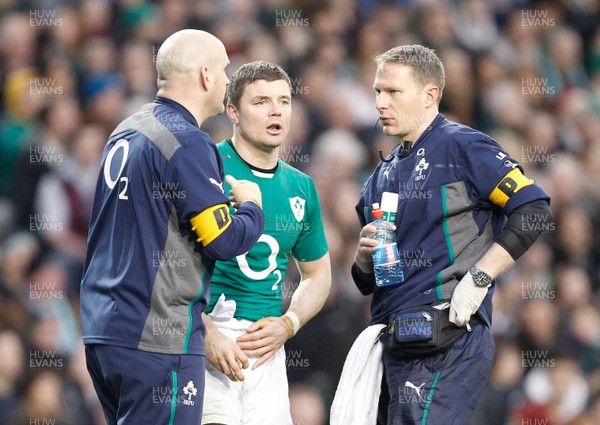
(292, 224)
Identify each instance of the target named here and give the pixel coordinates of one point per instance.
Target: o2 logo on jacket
(108, 165)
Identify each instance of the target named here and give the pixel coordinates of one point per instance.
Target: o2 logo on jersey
(272, 262)
(121, 145)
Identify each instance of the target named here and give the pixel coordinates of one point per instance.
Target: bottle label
(389, 206)
(389, 216)
(385, 254)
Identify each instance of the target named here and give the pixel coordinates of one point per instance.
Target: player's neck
(194, 107)
(259, 158)
(423, 126)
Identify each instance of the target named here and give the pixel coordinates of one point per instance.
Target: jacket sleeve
(247, 224)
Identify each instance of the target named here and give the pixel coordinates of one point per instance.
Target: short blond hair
(425, 63)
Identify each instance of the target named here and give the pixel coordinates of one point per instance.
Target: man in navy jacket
(456, 188)
(160, 220)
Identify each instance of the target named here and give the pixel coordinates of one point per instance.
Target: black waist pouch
(422, 331)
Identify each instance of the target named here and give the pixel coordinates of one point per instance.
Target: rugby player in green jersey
(246, 381)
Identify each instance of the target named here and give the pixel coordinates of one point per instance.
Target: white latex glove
(466, 299)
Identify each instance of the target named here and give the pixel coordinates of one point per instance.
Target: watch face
(480, 278)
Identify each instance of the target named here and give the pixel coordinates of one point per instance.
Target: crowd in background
(526, 72)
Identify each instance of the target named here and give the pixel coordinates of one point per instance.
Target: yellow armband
(508, 186)
(210, 223)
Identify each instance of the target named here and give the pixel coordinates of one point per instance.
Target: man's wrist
(364, 267)
(365, 282)
(293, 318)
(367, 273)
(481, 278)
(253, 201)
(288, 325)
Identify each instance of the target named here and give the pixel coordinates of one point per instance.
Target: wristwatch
(480, 278)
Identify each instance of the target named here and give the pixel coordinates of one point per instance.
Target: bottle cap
(376, 213)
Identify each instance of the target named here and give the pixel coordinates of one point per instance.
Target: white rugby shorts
(260, 399)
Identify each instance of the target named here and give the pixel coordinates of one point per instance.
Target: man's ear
(432, 94)
(232, 113)
(205, 78)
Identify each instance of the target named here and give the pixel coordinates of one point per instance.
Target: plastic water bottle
(386, 261)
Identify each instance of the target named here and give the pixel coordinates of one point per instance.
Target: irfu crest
(297, 205)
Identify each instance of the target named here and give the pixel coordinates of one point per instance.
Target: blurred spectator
(539, 328)
(460, 90)
(434, 20)
(506, 105)
(17, 42)
(18, 122)
(306, 406)
(17, 253)
(103, 89)
(475, 25)
(137, 68)
(563, 67)
(555, 394)
(43, 401)
(541, 141)
(567, 183)
(96, 18)
(592, 414)
(11, 369)
(46, 151)
(574, 239)
(65, 42)
(47, 297)
(584, 325)
(573, 288)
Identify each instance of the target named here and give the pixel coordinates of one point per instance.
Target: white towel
(357, 395)
(223, 310)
